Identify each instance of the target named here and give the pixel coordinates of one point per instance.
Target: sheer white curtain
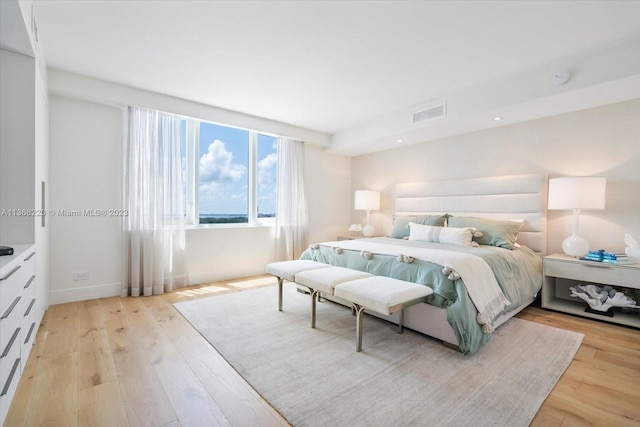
(154, 243)
(292, 222)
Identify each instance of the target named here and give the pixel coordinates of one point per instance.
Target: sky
(223, 170)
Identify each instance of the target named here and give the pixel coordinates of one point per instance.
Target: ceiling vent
(432, 113)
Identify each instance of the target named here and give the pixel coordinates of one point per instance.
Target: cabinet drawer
(28, 330)
(29, 264)
(28, 337)
(29, 286)
(11, 352)
(596, 273)
(9, 383)
(29, 334)
(10, 287)
(28, 309)
(9, 324)
(13, 307)
(8, 388)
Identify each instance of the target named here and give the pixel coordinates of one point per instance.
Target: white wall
(83, 87)
(85, 169)
(601, 142)
(329, 196)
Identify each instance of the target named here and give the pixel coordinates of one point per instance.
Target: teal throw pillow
(495, 232)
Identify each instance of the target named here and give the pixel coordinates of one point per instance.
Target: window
(267, 174)
(230, 174)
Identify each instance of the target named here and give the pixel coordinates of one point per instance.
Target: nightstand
(562, 271)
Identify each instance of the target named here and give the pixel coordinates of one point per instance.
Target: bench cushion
(381, 294)
(288, 269)
(326, 279)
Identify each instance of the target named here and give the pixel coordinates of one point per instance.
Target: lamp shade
(367, 200)
(586, 192)
(576, 193)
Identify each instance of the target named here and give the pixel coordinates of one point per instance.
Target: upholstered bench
(287, 270)
(381, 294)
(324, 280)
(363, 290)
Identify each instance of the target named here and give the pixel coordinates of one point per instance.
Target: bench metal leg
(401, 321)
(314, 294)
(359, 315)
(280, 279)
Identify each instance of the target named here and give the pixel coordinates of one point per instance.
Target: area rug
(314, 377)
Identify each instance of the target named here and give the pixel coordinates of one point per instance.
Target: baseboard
(201, 278)
(84, 293)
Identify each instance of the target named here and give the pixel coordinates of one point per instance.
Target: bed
(468, 303)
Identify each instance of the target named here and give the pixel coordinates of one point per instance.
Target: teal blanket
(518, 272)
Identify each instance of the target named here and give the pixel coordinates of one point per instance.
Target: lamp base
(575, 246)
(368, 231)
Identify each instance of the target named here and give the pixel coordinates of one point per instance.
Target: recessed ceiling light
(497, 118)
(398, 140)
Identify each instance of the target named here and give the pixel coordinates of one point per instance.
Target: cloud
(208, 189)
(217, 165)
(267, 168)
(222, 198)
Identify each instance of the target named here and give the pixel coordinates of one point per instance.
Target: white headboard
(507, 197)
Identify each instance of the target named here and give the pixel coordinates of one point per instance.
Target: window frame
(192, 177)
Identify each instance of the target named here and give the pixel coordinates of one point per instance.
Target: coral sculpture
(601, 299)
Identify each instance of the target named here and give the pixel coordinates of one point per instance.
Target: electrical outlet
(81, 275)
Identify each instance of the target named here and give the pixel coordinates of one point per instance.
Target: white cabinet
(23, 174)
(28, 326)
(24, 139)
(17, 148)
(17, 319)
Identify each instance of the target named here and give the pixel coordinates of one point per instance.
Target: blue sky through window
(267, 169)
(223, 170)
(222, 156)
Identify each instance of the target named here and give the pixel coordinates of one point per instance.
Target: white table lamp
(576, 193)
(370, 201)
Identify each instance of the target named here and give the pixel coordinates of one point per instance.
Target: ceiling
(356, 70)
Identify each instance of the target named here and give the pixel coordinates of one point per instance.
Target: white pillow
(451, 235)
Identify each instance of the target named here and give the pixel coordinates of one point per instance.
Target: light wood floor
(137, 362)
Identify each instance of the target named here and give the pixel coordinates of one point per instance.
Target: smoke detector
(560, 78)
